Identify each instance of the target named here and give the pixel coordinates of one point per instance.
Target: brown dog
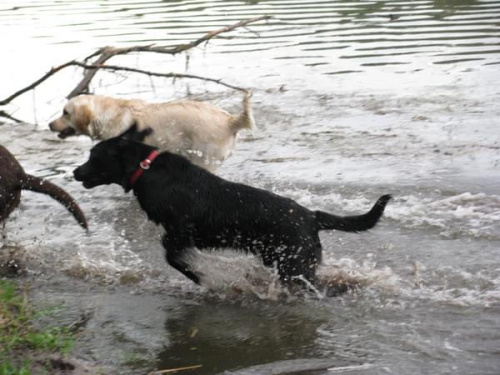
(13, 179)
(200, 131)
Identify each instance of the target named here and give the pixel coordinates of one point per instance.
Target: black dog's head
(111, 160)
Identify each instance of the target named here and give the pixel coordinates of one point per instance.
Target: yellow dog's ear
(83, 117)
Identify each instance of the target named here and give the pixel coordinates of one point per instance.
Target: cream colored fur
(204, 133)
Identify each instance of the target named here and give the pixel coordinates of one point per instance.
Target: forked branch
(96, 61)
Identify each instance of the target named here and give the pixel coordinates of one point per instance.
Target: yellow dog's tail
(245, 119)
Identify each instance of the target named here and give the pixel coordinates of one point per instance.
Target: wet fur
(200, 131)
(199, 209)
(13, 179)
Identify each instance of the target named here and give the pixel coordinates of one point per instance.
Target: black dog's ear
(133, 134)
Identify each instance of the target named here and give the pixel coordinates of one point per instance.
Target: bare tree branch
(83, 86)
(158, 74)
(210, 35)
(50, 73)
(10, 117)
(106, 53)
(112, 68)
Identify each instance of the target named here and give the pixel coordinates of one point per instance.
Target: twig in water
(172, 370)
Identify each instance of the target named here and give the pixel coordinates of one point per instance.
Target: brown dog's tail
(45, 187)
(245, 119)
(353, 223)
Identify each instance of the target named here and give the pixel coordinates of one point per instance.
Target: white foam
(231, 272)
(466, 214)
(474, 215)
(457, 287)
(346, 271)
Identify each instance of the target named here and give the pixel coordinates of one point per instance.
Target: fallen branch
(112, 68)
(47, 75)
(106, 53)
(10, 117)
(157, 74)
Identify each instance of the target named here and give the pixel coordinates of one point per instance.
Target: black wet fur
(199, 209)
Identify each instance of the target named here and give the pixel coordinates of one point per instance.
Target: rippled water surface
(352, 100)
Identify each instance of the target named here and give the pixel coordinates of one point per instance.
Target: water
(352, 100)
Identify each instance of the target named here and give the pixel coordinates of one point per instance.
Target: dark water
(352, 100)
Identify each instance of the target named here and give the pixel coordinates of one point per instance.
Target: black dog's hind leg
(299, 266)
(176, 247)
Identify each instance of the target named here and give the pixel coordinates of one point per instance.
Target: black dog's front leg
(175, 247)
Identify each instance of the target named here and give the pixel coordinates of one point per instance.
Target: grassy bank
(25, 349)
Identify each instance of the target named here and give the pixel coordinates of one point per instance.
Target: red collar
(144, 166)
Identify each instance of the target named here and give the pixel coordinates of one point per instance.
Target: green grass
(20, 340)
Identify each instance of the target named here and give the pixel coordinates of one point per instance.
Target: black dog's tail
(353, 223)
(45, 187)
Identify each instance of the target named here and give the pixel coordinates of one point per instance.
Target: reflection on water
(317, 33)
(323, 38)
(220, 335)
(352, 99)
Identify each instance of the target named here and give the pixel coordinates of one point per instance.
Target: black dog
(199, 209)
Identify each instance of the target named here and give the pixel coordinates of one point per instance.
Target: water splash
(456, 287)
(466, 214)
(231, 273)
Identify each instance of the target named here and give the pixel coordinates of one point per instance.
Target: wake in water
(465, 214)
(229, 272)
